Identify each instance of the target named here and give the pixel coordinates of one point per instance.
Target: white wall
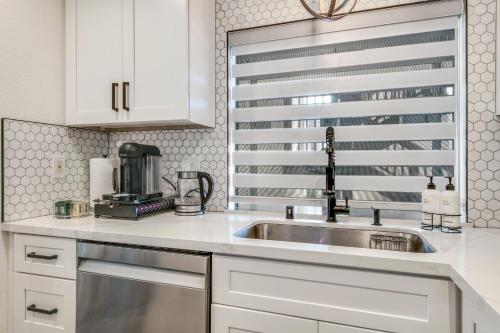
(32, 60)
(31, 78)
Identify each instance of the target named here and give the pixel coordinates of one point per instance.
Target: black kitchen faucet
(332, 208)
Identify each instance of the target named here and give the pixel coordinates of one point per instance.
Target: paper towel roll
(101, 177)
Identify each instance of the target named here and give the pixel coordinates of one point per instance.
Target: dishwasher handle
(145, 274)
(184, 261)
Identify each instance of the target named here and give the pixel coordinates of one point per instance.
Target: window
(392, 91)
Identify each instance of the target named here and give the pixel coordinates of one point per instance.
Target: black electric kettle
(192, 196)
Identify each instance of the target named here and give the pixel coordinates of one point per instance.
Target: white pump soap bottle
(431, 202)
(450, 203)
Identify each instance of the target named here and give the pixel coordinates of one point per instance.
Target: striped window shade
(393, 93)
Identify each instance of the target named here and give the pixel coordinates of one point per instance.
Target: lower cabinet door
(227, 319)
(43, 304)
(335, 328)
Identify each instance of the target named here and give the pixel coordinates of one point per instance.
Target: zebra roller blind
(390, 91)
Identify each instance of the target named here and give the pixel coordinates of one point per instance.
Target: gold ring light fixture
(331, 10)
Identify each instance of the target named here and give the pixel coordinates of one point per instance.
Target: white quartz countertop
(471, 259)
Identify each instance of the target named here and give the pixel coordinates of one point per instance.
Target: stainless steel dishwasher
(126, 289)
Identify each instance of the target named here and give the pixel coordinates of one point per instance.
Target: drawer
(335, 328)
(48, 256)
(376, 300)
(227, 319)
(43, 304)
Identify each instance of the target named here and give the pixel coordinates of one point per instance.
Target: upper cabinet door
(94, 61)
(156, 60)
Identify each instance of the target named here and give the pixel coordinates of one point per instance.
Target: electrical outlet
(58, 167)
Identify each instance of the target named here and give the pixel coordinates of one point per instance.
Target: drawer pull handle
(33, 255)
(33, 308)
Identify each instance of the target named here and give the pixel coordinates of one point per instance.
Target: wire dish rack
(388, 242)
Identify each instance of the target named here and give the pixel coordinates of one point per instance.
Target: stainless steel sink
(370, 239)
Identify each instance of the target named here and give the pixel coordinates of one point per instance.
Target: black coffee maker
(140, 192)
(140, 169)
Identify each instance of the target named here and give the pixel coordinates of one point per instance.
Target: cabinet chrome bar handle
(114, 90)
(125, 98)
(33, 308)
(33, 255)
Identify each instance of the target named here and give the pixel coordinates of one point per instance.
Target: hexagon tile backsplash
(483, 126)
(29, 190)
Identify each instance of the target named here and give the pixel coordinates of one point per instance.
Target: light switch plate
(58, 167)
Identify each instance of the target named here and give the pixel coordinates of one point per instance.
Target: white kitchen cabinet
(94, 60)
(43, 304)
(48, 256)
(378, 301)
(227, 319)
(139, 63)
(44, 286)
